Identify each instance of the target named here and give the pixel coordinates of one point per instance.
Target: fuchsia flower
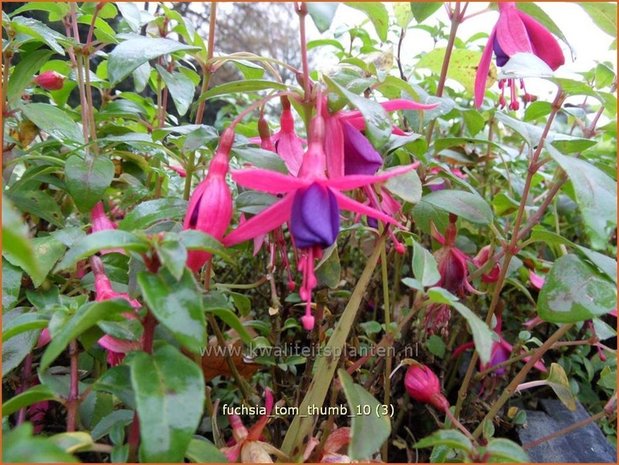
(50, 80)
(340, 138)
(247, 444)
(480, 260)
(286, 143)
(210, 205)
(310, 204)
(116, 348)
(99, 221)
(423, 386)
(515, 32)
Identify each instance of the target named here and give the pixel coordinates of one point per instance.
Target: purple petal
(315, 217)
(360, 157)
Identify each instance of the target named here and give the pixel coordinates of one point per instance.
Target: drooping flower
(515, 32)
(423, 385)
(310, 204)
(247, 445)
(360, 156)
(452, 262)
(116, 348)
(335, 135)
(50, 80)
(99, 221)
(210, 205)
(288, 145)
(481, 259)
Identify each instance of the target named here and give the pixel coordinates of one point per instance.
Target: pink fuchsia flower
(288, 145)
(116, 348)
(247, 445)
(452, 262)
(210, 205)
(310, 204)
(50, 80)
(333, 449)
(99, 221)
(423, 385)
(481, 259)
(515, 32)
(336, 135)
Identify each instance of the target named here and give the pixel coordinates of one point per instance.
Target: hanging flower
(99, 221)
(515, 32)
(50, 80)
(423, 385)
(480, 261)
(310, 203)
(116, 348)
(210, 205)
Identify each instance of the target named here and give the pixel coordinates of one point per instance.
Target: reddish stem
(74, 393)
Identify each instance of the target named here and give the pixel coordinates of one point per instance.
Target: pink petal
(256, 430)
(536, 280)
(337, 440)
(118, 345)
(334, 147)
(232, 453)
(354, 181)
(483, 69)
(511, 33)
(543, 42)
(265, 221)
(403, 104)
(267, 181)
(614, 312)
(290, 148)
(349, 204)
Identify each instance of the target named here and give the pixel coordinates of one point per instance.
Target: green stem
(206, 69)
(388, 361)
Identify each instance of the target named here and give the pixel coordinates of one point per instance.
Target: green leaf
(504, 450)
(120, 417)
(329, 269)
(39, 31)
(604, 15)
(11, 284)
(423, 10)
(596, 196)
(173, 255)
(446, 437)
(128, 55)
(557, 380)
(116, 380)
(169, 390)
(180, 87)
(86, 317)
(249, 85)
(322, 13)
(231, 319)
(469, 206)
(25, 322)
(17, 247)
(56, 11)
(573, 292)
(40, 204)
(197, 240)
(75, 441)
(462, 66)
(87, 180)
(377, 14)
(131, 14)
(368, 432)
(177, 305)
(483, 337)
(48, 251)
(403, 14)
(95, 242)
(14, 350)
(537, 110)
(21, 447)
(406, 186)
(22, 75)
(201, 450)
(424, 266)
(153, 211)
(54, 121)
(436, 346)
(378, 124)
(260, 158)
(31, 396)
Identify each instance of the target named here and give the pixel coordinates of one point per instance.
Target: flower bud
(50, 80)
(480, 260)
(423, 386)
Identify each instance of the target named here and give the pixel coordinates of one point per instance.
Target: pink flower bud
(210, 205)
(50, 80)
(423, 386)
(480, 260)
